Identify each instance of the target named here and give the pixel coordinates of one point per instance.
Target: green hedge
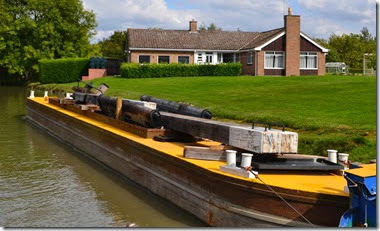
(356, 70)
(136, 70)
(62, 70)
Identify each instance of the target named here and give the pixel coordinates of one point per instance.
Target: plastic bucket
(46, 97)
(343, 160)
(69, 95)
(231, 157)
(31, 94)
(332, 155)
(246, 159)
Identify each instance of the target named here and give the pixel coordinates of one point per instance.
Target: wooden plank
(236, 171)
(119, 104)
(204, 153)
(257, 140)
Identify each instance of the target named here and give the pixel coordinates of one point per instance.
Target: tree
(211, 27)
(351, 48)
(34, 29)
(365, 35)
(114, 45)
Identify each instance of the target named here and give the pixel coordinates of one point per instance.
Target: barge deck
(198, 186)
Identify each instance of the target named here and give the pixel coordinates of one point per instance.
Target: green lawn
(330, 112)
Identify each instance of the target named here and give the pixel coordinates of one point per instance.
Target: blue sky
(319, 18)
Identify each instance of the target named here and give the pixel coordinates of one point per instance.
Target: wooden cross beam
(257, 140)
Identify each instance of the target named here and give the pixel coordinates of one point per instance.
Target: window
(220, 58)
(237, 58)
(163, 59)
(308, 60)
(228, 57)
(249, 57)
(184, 59)
(231, 57)
(209, 57)
(199, 57)
(274, 60)
(144, 58)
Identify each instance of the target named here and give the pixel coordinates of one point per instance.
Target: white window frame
(183, 56)
(209, 57)
(249, 57)
(150, 58)
(275, 53)
(236, 57)
(219, 58)
(309, 55)
(200, 55)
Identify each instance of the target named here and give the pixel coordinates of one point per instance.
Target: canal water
(44, 183)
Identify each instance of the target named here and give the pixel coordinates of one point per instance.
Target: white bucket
(343, 160)
(246, 159)
(46, 96)
(69, 95)
(231, 157)
(31, 94)
(332, 155)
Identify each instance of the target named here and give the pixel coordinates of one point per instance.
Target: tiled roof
(263, 38)
(201, 40)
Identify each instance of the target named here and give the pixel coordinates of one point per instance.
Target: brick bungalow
(284, 51)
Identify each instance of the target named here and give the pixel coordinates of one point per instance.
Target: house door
(209, 57)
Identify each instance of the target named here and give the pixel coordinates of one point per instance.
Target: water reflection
(44, 183)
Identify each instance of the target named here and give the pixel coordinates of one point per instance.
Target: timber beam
(256, 140)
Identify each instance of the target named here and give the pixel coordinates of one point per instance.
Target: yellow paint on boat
(325, 183)
(366, 170)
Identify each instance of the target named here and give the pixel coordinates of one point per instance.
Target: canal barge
(219, 198)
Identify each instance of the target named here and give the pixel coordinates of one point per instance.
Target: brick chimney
(292, 50)
(193, 26)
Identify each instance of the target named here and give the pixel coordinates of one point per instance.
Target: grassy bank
(331, 112)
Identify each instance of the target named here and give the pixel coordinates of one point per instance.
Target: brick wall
(134, 55)
(247, 69)
(260, 63)
(292, 50)
(321, 63)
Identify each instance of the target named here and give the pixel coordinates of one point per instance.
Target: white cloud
(343, 11)
(318, 18)
(121, 14)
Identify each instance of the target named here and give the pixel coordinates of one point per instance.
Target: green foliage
(114, 46)
(62, 70)
(356, 70)
(211, 27)
(351, 48)
(35, 29)
(136, 70)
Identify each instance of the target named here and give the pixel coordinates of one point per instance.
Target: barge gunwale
(187, 182)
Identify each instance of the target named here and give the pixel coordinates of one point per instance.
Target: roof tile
(200, 40)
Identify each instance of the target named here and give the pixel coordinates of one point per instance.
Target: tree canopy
(114, 45)
(211, 27)
(34, 29)
(351, 48)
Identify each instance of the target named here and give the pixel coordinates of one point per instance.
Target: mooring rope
(257, 176)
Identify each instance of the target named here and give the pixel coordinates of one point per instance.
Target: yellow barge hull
(198, 186)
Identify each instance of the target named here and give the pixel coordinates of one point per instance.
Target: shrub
(136, 70)
(62, 70)
(356, 70)
(130, 70)
(228, 69)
